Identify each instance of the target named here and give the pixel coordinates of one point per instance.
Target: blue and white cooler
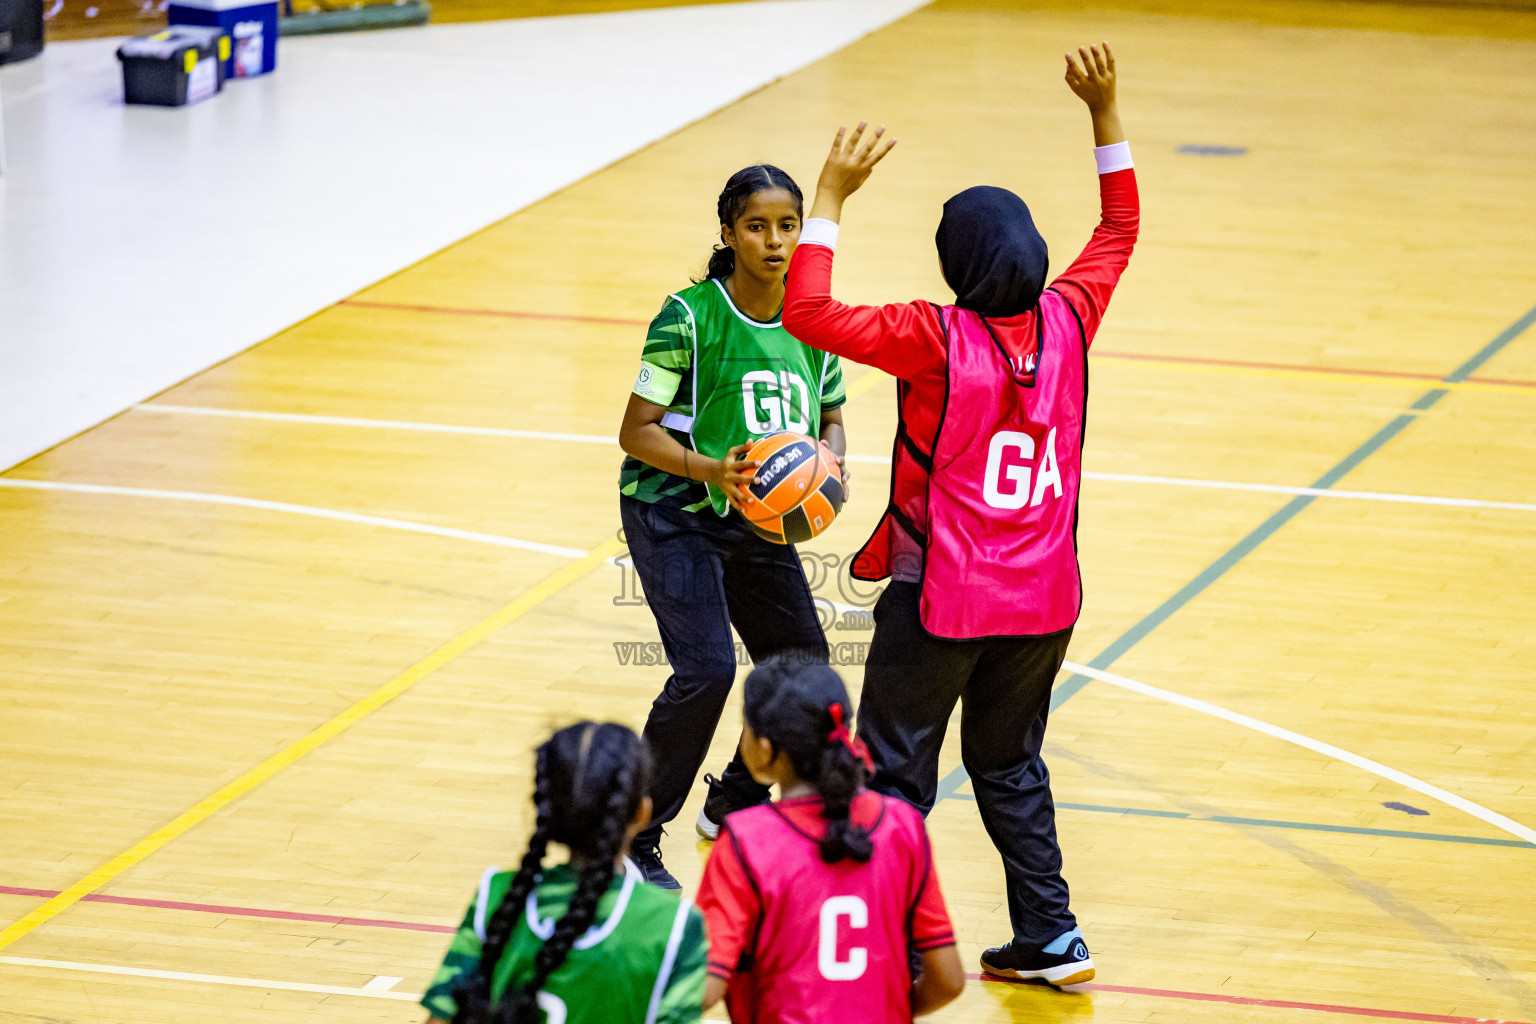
(252, 26)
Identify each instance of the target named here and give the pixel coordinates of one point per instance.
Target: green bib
(750, 379)
(618, 971)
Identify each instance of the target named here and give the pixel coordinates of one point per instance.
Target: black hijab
(990, 252)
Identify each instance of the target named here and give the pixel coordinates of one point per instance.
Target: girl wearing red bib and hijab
(979, 538)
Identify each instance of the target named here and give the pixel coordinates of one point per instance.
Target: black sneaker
(725, 796)
(646, 853)
(1072, 966)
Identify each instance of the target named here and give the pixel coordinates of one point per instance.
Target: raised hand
(848, 166)
(1093, 80)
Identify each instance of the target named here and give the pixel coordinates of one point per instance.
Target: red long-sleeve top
(906, 339)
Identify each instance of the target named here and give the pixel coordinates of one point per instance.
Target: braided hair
(588, 784)
(801, 708)
(738, 192)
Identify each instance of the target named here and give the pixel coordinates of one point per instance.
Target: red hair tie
(840, 734)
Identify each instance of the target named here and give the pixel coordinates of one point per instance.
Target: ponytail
(803, 710)
(596, 875)
(722, 263)
(589, 782)
(844, 762)
(738, 192)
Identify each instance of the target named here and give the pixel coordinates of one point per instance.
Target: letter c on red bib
(833, 967)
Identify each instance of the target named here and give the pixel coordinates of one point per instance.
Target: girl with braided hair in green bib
(588, 941)
(718, 372)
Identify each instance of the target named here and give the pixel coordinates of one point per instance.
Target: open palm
(852, 159)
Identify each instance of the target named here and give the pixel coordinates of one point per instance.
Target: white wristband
(819, 231)
(1112, 158)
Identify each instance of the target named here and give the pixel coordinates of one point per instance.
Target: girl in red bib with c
(821, 906)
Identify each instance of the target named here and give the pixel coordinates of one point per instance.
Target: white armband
(820, 231)
(1113, 158)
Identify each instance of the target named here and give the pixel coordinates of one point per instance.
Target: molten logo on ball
(797, 491)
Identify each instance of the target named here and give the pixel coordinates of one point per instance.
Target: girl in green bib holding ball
(718, 372)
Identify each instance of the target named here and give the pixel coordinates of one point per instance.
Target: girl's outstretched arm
(905, 341)
(1088, 283)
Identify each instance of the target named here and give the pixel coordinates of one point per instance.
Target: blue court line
(1491, 349)
(1310, 826)
(1131, 637)
(1219, 568)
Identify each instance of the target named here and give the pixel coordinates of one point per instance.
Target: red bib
(994, 505)
(831, 945)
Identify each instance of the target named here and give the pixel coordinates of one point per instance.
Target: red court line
(1501, 380)
(1245, 364)
(1305, 368)
(507, 314)
(212, 908)
(1160, 993)
(1278, 1004)
(373, 922)
(1142, 356)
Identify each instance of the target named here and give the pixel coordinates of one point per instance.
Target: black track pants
(911, 684)
(703, 573)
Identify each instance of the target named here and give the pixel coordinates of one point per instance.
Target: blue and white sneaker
(1065, 961)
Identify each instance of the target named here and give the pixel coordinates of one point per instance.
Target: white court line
(367, 992)
(351, 421)
(880, 460)
(1434, 792)
(382, 983)
(1493, 818)
(302, 510)
(1316, 492)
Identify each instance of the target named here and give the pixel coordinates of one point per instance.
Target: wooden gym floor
(272, 659)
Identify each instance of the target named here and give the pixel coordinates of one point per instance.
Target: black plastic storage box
(21, 29)
(183, 64)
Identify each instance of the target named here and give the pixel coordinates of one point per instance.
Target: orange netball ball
(798, 488)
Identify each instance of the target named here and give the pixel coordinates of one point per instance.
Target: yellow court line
(867, 381)
(270, 767)
(1314, 375)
